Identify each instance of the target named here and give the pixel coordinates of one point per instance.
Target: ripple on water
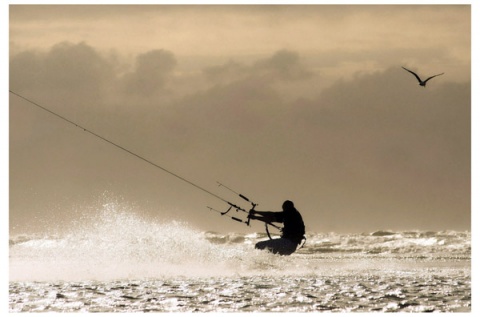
(348, 293)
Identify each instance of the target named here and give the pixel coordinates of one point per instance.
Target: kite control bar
(237, 208)
(223, 213)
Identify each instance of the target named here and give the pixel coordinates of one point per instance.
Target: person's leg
(263, 244)
(277, 246)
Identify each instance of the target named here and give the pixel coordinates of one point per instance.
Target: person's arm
(266, 216)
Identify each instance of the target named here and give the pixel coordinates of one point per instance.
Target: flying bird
(422, 82)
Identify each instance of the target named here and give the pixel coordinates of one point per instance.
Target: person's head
(288, 205)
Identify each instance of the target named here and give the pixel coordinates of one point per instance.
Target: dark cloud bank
(374, 152)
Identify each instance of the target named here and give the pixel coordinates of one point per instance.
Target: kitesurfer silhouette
(293, 229)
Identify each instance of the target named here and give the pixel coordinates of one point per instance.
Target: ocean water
(119, 262)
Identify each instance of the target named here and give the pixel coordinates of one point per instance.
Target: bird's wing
(433, 76)
(408, 70)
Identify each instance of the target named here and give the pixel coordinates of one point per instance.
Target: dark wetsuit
(293, 226)
(292, 234)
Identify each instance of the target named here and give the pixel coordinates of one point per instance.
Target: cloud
(26, 70)
(75, 71)
(282, 66)
(150, 74)
(228, 72)
(79, 70)
(285, 65)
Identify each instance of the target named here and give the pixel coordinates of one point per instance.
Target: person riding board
(293, 229)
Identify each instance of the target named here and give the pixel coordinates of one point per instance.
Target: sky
(307, 103)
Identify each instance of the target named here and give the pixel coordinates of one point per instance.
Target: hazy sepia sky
(305, 102)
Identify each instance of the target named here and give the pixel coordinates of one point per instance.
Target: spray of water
(116, 243)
